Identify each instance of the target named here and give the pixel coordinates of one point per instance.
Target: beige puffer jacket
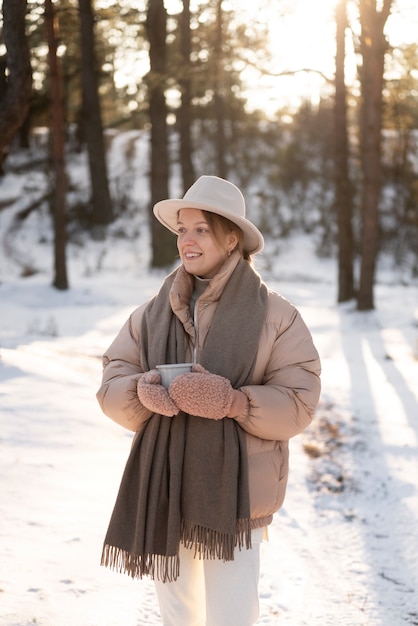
(283, 393)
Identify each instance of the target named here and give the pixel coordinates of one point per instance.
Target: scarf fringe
(207, 543)
(156, 566)
(212, 544)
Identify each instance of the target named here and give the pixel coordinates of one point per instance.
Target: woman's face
(201, 254)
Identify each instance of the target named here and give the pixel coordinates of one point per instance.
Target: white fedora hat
(216, 195)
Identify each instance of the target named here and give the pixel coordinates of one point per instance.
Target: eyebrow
(196, 223)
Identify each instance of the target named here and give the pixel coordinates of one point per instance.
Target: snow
(343, 549)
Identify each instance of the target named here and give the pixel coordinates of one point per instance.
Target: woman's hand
(202, 393)
(154, 396)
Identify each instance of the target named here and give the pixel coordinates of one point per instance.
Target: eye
(181, 230)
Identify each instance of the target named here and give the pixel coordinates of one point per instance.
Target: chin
(192, 268)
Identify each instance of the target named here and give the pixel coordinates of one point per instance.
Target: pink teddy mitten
(154, 396)
(202, 393)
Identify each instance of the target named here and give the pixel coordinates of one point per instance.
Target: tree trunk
(218, 96)
(373, 48)
(101, 202)
(185, 110)
(343, 196)
(162, 240)
(57, 149)
(15, 97)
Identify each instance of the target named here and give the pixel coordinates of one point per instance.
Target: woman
(209, 462)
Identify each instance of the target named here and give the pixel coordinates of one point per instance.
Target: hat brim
(166, 212)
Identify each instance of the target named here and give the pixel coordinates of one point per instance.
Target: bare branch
(304, 69)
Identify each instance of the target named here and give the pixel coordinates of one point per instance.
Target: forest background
(342, 166)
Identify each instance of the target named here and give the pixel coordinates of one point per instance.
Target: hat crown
(217, 192)
(215, 195)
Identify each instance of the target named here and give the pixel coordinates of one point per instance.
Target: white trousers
(212, 592)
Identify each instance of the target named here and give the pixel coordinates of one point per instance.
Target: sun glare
(301, 38)
(304, 38)
(302, 46)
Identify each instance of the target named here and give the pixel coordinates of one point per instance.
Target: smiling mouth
(192, 255)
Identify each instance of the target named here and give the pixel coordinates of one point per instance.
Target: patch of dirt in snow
(323, 443)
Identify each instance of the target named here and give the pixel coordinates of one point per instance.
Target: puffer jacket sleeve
(283, 405)
(117, 395)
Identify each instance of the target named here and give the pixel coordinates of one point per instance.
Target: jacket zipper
(196, 330)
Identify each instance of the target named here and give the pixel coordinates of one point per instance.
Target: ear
(232, 240)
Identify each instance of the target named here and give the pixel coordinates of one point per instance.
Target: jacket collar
(183, 284)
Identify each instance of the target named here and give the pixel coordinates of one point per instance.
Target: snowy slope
(344, 548)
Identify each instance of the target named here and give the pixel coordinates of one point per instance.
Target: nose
(185, 238)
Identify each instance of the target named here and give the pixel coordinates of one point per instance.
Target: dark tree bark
(185, 110)
(17, 86)
(343, 196)
(57, 148)
(373, 46)
(163, 242)
(92, 120)
(219, 104)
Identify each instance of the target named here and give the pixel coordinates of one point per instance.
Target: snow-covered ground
(343, 551)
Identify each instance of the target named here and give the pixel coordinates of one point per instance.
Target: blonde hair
(221, 226)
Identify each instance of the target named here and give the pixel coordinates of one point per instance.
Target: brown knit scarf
(186, 478)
